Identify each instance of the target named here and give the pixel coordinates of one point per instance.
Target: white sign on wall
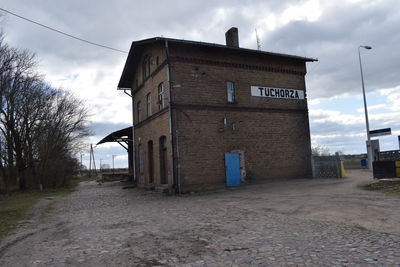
(276, 92)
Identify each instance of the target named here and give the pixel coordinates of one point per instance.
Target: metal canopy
(123, 135)
(124, 138)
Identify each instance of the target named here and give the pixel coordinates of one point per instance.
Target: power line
(61, 32)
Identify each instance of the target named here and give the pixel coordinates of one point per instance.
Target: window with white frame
(160, 96)
(148, 98)
(230, 92)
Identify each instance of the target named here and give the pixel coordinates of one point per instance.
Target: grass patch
(355, 162)
(391, 187)
(16, 208)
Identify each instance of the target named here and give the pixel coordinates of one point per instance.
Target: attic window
(146, 66)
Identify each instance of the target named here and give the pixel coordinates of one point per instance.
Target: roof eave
(125, 83)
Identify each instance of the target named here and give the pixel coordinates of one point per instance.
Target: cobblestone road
(282, 224)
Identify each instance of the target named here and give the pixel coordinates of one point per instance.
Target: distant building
(197, 104)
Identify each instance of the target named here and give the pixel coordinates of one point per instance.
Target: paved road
(298, 223)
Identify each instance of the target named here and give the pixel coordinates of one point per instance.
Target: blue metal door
(232, 169)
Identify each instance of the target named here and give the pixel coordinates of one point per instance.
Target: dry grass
(389, 186)
(16, 208)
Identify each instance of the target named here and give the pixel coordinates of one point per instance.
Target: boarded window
(146, 67)
(141, 158)
(160, 96)
(230, 92)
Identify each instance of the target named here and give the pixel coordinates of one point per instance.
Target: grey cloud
(334, 39)
(346, 137)
(101, 129)
(117, 24)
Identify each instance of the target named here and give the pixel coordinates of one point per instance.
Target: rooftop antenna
(258, 40)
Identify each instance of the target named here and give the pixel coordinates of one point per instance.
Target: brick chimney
(232, 37)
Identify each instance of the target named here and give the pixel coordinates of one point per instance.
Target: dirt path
(303, 222)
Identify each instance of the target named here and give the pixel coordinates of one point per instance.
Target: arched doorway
(163, 160)
(151, 161)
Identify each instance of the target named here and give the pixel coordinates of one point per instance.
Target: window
(146, 67)
(141, 158)
(230, 92)
(148, 104)
(138, 111)
(160, 96)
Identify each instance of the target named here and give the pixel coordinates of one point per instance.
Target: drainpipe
(133, 139)
(171, 131)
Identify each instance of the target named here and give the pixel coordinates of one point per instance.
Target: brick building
(195, 104)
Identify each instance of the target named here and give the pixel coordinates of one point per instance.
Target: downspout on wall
(133, 139)
(176, 183)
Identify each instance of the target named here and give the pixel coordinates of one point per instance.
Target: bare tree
(61, 135)
(40, 127)
(319, 150)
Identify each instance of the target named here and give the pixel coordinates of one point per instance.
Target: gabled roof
(126, 77)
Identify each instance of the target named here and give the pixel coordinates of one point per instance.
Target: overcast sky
(328, 30)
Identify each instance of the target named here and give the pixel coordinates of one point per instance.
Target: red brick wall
(273, 133)
(151, 128)
(275, 145)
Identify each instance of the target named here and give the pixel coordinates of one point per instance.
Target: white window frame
(230, 92)
(160, 96)
(148, 101)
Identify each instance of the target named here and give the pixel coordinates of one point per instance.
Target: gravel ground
(298, 223)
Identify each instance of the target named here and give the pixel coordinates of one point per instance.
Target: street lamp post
(369, 147)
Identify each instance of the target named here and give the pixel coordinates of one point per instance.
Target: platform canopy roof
(118, 136)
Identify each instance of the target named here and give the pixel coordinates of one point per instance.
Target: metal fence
(389, 155)
(326, 166)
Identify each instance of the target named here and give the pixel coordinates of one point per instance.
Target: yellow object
(342, 171)
(397, 168)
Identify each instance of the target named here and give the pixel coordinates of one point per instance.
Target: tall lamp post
(369, 148)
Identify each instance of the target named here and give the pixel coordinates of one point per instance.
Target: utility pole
(90, 162)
